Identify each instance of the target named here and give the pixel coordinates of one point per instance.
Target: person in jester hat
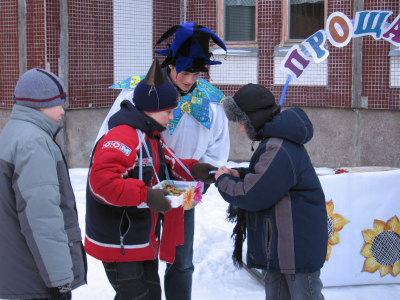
(199, 129)
(278, 198)
(122, 208)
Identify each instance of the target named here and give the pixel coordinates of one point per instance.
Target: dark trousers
(293, 287)
(178, 276)
(134, 280)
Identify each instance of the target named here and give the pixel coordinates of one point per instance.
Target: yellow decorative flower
(382, 247)
(185, 107)
(134, 81)
(335, 223)
(188, 198)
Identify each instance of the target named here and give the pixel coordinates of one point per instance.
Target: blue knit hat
(154, 93)
(190, 47)
(38, 88)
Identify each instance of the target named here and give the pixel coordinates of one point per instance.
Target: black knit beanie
(154, 93)
(253, 105)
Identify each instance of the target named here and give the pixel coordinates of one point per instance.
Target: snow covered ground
(214, 277)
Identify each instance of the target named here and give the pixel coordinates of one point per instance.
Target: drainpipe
(63, 73)
(22, 36)
(183, 11)
(357, 101)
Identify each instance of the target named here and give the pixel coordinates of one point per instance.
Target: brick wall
(375, 74)
(9, 52)
(91, 50)
(165, 15)
(90, 29)
(375, 62)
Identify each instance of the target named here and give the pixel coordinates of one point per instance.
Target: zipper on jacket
(122, 245)
(268, 240)
(122, 236)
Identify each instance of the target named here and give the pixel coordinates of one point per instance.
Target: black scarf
(238, 215)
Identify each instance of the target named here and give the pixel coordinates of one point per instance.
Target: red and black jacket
(116, 229)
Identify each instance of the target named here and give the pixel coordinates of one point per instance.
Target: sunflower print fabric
(382, 247)
(335, 223)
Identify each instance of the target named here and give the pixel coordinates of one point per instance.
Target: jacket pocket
(134, 229)
(124, 227)
(268, 237)
(78, 255)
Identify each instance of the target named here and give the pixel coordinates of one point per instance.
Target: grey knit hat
(38, 88)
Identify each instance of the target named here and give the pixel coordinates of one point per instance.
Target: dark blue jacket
(284, 202)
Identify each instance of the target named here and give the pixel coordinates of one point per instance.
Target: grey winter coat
(40, 238)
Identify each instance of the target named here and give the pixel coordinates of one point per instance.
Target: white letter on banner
(315, 46)
(392, 33)
(295, 62)
(339, 29)
(370, 22)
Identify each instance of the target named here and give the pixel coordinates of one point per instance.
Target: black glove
(156, 200)
(201, 172)
(61, 293)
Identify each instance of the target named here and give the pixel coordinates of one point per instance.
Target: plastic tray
(175, 201)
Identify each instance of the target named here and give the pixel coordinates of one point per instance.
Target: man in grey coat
(41, 253)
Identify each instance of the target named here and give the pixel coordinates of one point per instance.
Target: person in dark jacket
(122, 208)
(279, 196)
(41, 251)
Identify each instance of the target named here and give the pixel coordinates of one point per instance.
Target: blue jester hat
(190, 47)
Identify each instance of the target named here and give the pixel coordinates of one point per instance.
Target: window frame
(285, 41)
(220, 27)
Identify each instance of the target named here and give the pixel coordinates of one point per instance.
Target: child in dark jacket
(279, 196)
(122, 215)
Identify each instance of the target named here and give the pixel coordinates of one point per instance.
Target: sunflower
(382, 247)
(335, 223)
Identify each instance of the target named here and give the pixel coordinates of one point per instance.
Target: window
(136, 45)
(302, 18)
(237, 27)
(237, 20)
(394, 55)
